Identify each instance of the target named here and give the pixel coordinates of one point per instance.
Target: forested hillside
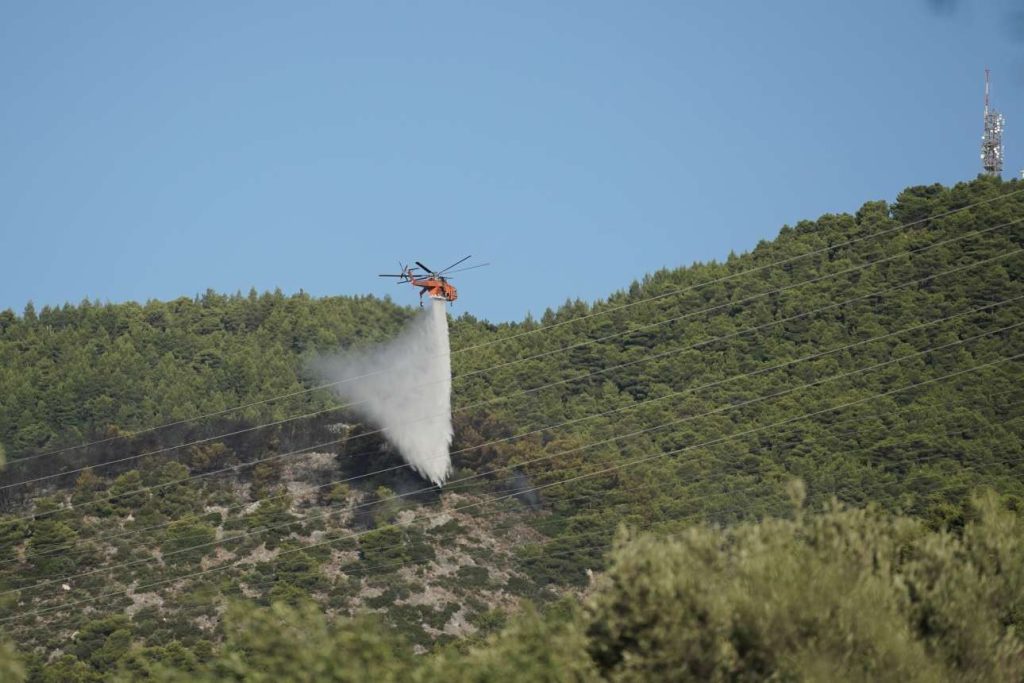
(715, 411)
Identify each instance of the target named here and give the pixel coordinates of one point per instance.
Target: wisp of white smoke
(404, 387)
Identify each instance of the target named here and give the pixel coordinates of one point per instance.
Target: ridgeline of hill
(872, 358)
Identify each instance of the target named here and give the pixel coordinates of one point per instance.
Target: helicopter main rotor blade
(463, 270)
(423, 267)
(455, 264)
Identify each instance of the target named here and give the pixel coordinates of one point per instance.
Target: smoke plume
(404, 387)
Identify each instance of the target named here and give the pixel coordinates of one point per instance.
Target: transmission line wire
(663, 484)
(249, 534)
(543, 328)
(731, 276)
(364, 571)
(730, 304)
(52, 550)
(631, 406)
(196, 516)
(556, 383)
(606, 470)
(645, 359)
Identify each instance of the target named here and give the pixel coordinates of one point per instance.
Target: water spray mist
(408, 390)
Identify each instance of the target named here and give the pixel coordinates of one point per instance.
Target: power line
(917, 475)
(707, 342)
(718, 410)
(730, 304)
(365, 570)
(674, 394)
(168, 449)
(663, 484)
(757, 269)
(250, 534)
(606, 470)
(645, 359)
(327, 510)
(52, 550)
(543, 328)
(676, 520)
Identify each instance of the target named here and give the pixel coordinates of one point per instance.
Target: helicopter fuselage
(436, 288)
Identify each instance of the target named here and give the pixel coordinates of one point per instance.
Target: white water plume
(404, 387)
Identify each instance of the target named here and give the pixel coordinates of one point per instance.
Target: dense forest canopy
(873, 357)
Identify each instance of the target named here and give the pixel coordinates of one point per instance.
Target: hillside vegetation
(874, 358)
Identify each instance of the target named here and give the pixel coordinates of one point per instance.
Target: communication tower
(992, 138)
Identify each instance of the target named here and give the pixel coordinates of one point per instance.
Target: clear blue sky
(153, 150)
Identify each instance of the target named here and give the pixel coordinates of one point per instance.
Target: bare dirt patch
(219, 556)
(141, 601)
(259, 554)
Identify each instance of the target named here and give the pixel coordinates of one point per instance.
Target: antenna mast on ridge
(992, 138)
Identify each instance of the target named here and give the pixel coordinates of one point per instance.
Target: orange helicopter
(434, 283)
